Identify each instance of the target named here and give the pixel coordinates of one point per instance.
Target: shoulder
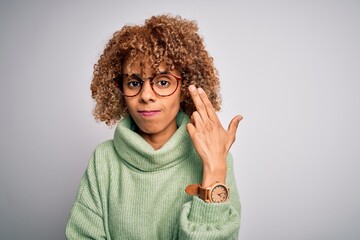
(104, 155)
(105, 147)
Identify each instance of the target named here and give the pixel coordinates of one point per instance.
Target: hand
(212, 142)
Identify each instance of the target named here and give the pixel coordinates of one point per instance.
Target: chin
(151, 129)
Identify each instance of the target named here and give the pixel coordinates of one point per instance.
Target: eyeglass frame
(120, 78)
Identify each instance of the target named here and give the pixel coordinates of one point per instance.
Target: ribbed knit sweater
(131, 191)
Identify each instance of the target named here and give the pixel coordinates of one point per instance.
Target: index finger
(209, 107)
(200, 106)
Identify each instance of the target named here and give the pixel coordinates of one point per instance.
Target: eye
(162, 82)
(133, 83)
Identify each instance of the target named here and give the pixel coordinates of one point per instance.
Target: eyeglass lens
(162, 84)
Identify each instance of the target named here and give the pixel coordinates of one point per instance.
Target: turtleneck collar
(138, 154)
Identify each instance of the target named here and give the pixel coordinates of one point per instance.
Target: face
(153, 114)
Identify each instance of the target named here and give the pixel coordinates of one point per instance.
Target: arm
(86, 217)
(211, 141)
(200, 220)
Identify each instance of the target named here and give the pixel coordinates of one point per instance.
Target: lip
(148, 113)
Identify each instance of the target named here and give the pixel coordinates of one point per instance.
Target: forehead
(142, 64)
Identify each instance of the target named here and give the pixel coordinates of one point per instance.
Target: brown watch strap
(192, 189)
(203, 193)
(196, 189)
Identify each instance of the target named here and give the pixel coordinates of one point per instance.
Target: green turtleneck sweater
(131, 191)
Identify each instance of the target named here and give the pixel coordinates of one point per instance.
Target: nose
(147, 94)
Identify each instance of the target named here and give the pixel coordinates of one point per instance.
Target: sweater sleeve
(86, 217)
(201, 220)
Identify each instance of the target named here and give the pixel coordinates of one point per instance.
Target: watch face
(219, 194)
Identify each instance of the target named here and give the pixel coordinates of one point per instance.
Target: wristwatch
(216, 193)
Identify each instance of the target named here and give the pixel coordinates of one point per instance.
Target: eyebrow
(139, 74)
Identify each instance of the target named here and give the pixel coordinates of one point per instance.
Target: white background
(292, 68)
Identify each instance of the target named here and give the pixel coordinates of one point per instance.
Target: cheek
(178, 98)
(175, 103)
(129, 104)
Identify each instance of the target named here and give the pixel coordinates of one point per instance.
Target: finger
(191, 129)
(208, 105)
(234, 125)
(200, 107)
(196, 119)
(192, 119)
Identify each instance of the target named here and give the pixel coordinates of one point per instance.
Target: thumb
(233, 125)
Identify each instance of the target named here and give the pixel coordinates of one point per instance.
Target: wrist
(215, 193)
(213, 174)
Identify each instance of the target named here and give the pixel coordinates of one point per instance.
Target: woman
(160, 82)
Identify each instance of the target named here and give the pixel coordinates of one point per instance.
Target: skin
(157, 129)
(211, 141)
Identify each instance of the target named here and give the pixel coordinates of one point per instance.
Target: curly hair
(164, 38)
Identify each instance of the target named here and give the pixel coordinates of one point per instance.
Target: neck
(157, 140)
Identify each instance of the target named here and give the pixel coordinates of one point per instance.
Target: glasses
(163, 84)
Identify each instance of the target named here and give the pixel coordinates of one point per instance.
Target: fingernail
(200, 90)
(192, 88)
